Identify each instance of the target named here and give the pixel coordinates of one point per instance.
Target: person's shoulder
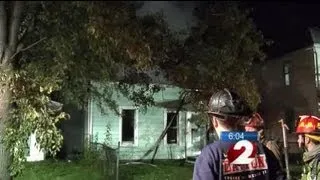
(216, 145)
(272, 142)
(266, 150)
(214, 149)
(207, 163)
(211, 149)
(270, 156)
(213, 145)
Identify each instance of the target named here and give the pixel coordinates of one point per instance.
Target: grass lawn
(78, 171)
(58, 171)
(168, 170)
(162, 171)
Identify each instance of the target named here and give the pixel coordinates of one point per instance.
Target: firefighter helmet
(255, 121)
(228, 103)
(308, 125)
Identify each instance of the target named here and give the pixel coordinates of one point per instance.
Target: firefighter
(227, 112)
(256, 123)
(308, 130)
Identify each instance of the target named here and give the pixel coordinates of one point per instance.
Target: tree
(74, 52)
(218, 54)
(9, 40)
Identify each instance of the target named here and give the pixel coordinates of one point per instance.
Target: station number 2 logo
(243, 152)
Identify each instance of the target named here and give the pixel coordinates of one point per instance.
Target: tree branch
(3, 31)
(26, 48)
(14, 30)
(35, 10)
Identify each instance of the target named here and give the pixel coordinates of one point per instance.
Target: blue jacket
(212, 165)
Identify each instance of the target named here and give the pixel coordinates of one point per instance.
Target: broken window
(128, 120)
(172, 133)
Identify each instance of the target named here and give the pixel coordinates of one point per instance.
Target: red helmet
(255, 121)
(308, 125)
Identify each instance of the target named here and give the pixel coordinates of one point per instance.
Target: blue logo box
(232, 136)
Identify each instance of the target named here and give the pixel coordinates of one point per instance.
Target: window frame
(166, 111)
(135, 130)
(287, 73)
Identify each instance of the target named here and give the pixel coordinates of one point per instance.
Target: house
(289, 86)
(137, 130)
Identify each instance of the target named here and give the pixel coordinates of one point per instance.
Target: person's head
(308, 130)
(255, 123)
(227, 111)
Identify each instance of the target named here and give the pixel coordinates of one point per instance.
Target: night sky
(286, 24)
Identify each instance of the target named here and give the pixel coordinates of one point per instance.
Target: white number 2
(244, 157)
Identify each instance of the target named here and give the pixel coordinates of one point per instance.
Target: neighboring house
(289, 86)
(137, 130)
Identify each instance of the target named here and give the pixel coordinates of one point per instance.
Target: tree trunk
(10, 23)
(4, 154)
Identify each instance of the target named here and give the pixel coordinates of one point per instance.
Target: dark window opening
(195, 133)
(290, 119)
(128, 125)
(172, 133)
